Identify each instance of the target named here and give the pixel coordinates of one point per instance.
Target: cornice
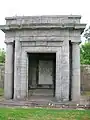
(5, 28)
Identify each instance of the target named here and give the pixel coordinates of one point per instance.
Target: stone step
(41, 92)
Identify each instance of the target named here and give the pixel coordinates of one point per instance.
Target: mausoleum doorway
(41, 74)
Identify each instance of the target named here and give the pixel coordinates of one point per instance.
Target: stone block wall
(2, 69)
(85, 77)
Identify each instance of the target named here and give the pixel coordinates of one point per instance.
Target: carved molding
(41, 43)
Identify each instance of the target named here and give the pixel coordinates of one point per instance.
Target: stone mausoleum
(43, 57)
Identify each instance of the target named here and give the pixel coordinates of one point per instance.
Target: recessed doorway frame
(24, 67)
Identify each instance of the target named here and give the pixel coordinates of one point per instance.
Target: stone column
(17, 67)
(8, 71)
(75, 72)
(58, 91)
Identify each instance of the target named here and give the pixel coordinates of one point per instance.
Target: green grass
(43, 114)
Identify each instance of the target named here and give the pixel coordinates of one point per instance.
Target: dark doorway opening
(41, 74)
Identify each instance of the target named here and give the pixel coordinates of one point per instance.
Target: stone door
(45, 72)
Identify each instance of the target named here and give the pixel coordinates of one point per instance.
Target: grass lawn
(43, 114)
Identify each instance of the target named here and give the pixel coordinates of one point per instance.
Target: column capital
(9, 40)
(76, 42)
(9, 43)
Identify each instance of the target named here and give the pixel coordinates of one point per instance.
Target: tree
(2, 55)
(86, 34)
(85, 53)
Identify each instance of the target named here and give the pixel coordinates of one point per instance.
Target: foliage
(2, 55)
(85, 53)
(87, 34)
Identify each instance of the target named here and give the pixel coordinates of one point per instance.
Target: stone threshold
(44, 104)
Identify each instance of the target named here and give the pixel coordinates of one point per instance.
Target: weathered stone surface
(84, 81)
(43, 19)
(58, 91)
(75, 72)
(2, 72)
(17, 69)
(85, 78)
(44, 34)
(8, 71)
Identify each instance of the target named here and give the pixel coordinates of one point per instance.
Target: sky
(43, 7)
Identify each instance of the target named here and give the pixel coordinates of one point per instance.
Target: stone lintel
(42, 39)
(41, 43)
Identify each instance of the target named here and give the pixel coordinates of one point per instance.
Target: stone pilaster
(75, 72)
(17, 68)
(24, 75)
(58, 91)
(65, 71)
(8, 71)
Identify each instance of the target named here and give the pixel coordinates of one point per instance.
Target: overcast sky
(43, 7)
